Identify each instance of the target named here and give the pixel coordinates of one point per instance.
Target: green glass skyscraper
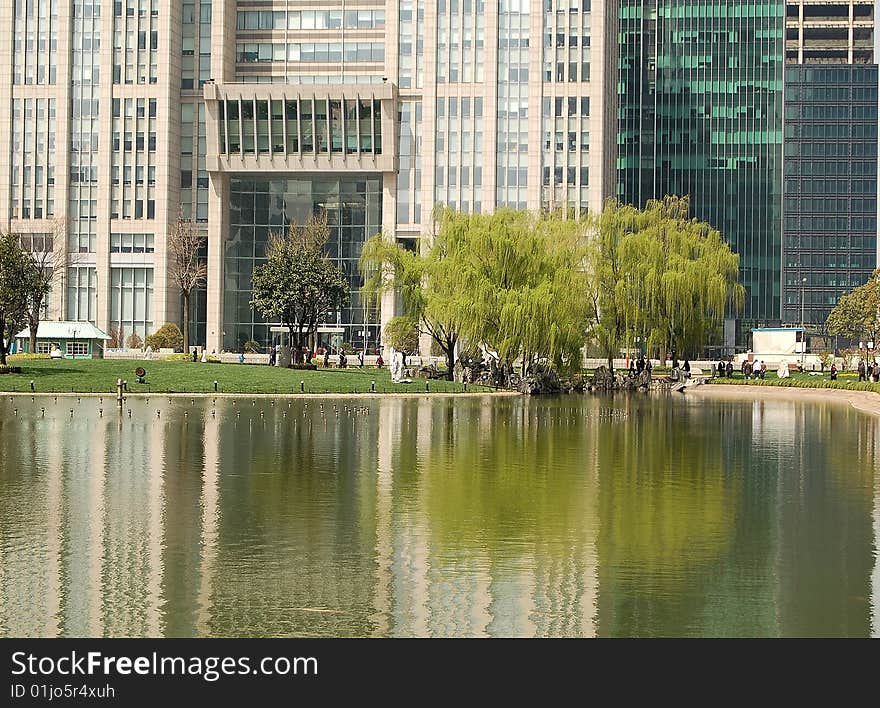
(700, 101)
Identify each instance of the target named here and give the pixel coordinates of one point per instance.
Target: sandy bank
(862, 400)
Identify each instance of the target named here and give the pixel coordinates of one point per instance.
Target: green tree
(609, 282)
(168, 336)
(857, 314)
(660, 275)
(516, 285)
(421, 279)
(402, 333)
(298, 284)
(16, 284)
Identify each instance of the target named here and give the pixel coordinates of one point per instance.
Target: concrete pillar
(218, 225)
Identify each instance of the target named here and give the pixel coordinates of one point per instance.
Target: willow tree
(659, 275)
(857, 314)
(687, 276)
(421, 279)
(516, 285)
(610, 288)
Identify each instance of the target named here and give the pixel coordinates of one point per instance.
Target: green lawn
(99, 376)
(848, 380)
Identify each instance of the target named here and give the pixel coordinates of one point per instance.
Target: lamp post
(803, 328)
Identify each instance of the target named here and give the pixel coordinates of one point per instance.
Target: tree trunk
(295, 346)
(185, 294)
(450, 361)
(611, 364)
(33, 325)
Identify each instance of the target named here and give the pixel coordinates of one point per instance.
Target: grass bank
(100, 375)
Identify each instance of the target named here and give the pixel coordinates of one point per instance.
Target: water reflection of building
(434, 517)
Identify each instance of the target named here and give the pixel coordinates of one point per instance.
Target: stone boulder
(603, 379)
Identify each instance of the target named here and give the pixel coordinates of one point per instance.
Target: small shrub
(305, 367)
(252, 347)
(168, 336)
(134, 341)
(10, 369)
(26, 356)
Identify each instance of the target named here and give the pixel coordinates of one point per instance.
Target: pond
(658, 515)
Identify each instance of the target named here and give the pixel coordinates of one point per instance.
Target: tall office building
(116, 116)
(701, 115)
(713, 93)
(830, 169)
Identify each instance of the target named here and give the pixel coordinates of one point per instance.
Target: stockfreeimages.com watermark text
(210, 668)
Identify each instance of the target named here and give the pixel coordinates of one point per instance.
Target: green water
(578, 516)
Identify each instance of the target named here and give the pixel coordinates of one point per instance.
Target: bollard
(125, 385)
(32, 386)
(302, 386)
(372, 386)
(465, 386)
(119, 393)
(215, 387)
(427, 388)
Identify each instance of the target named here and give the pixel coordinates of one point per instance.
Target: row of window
(829, 205)
(310, 19)
(831, 131)
(836, 258)
(830, 168)
(831, 75)
(300, 126)
(841, 224)
(35, 42)
(301, 52)
(830, 186)
(841, 111)
(566, 141)
(823, 94)
(844, 149)
(32, 178)
(132, 243)
(71, 348)
(129, 8)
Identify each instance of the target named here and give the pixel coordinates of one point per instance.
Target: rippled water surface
(437, 516)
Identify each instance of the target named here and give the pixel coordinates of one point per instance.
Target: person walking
(361, 359)
(833, 371)
(729, 369)
(861, 370)
(342, 361)
(272, 355)
(327, 357)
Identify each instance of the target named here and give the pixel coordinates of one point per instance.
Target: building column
(218, 224)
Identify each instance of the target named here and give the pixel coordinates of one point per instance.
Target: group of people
(342, 359)
(637, 366)
(725, 369)
(869, 372)
(753, 370)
